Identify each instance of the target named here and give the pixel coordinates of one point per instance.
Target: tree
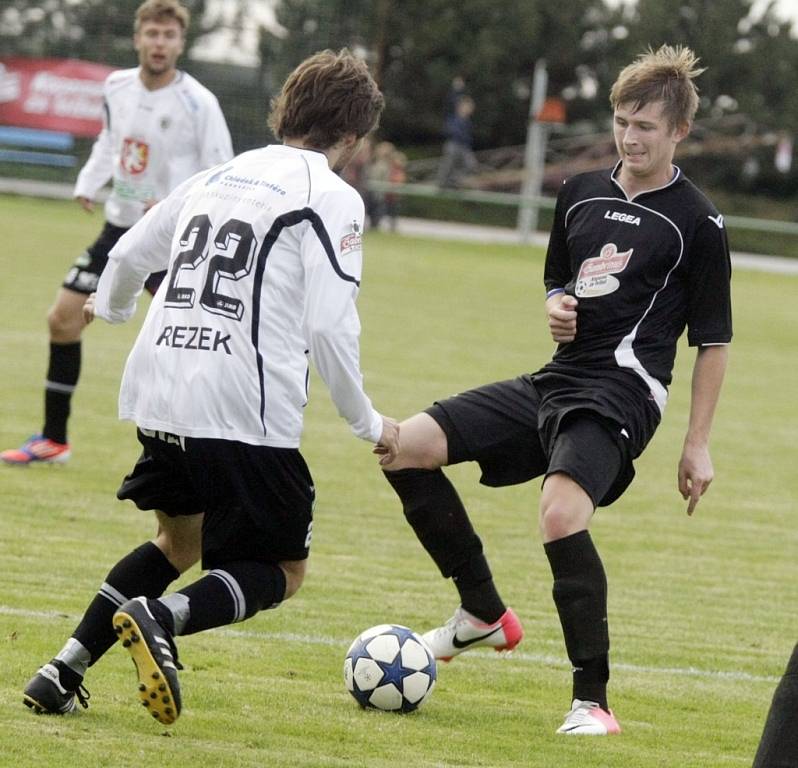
(416, 47)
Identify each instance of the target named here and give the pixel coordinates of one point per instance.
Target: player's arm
(98, 168)
(332, 326)
(709, 327)
(560, 307)
(695, 466)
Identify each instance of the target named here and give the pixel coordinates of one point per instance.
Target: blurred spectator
(379, 170)
(396, 175)
(458, 154)
(456, 91)
(355, 173)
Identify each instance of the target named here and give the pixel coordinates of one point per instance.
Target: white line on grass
(533, 658)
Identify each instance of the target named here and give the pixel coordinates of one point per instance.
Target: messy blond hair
(161, 11)
(664, 75)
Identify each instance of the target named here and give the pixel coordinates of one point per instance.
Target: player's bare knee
(556, 522)
(181, 554)
(565, 508)
(294, 571)
(422, 445)
(64, 325)
(180, 540)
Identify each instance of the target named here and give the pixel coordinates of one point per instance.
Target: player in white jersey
(239, 305)
(264, 258)
(160, 127)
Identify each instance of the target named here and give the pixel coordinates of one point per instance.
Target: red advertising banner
(53, 94)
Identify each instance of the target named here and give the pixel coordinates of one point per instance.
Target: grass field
(702, 610)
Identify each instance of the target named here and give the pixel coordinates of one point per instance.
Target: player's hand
(88, 309)
(388, 446)
(695, 474)
(561, 309)
(86, 204)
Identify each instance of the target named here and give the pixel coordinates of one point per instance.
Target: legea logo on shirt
(596, 275)
(134, 156)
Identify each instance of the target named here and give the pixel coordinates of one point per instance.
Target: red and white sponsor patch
(135, 155)
(595, 276)
(351, 242)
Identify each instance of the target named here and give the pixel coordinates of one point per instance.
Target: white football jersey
(151, 141)
(264, 261)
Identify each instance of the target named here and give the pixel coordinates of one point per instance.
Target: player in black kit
(636, 254)
(778, 747)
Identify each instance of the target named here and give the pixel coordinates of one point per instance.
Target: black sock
(580, 594)
(226, 595)
(63, 372)
(144, 571)
(440, 521)
(778, 746)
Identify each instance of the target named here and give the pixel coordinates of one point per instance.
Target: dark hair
(160, 11)
(326, 97)
(665, 75)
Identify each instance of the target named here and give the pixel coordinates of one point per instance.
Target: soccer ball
(389, 667)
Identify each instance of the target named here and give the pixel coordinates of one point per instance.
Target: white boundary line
(538, 659)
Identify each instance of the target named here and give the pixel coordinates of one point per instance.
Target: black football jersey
(642, 269)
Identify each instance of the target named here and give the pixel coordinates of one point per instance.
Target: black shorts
(257, 500)
(499, 426)
(84, 274)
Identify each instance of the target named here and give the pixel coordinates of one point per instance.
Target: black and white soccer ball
(389, 667)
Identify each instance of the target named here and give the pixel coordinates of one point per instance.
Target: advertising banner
(52, 94)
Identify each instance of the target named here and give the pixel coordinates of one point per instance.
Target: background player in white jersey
(636, 253)
(264, 259)
(160, 127)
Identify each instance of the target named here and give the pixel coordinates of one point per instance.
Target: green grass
(701, 610)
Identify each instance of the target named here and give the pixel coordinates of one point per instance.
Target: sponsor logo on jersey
(135, 155)
(596, 275)
(235, 181)
(216, 176)
(717, 220)
(134, 189)
(166, 121)
(626, 218)
(352, 241)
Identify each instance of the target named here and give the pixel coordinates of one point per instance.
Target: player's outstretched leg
(464, 631)
(154, 653)
(433, 508)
